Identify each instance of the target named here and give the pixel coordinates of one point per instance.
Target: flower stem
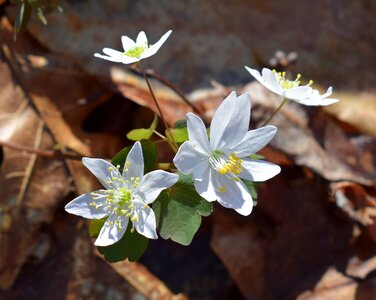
(285, 100)
(173, 145)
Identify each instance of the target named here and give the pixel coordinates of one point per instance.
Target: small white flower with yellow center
(134, 51)
(217, 165)
(125, 198)
(292, 89)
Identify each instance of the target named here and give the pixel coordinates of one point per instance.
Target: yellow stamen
(234, 165)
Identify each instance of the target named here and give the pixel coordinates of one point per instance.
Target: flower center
(119, 199)
(288, 84)
(226, 163)
(135, 51)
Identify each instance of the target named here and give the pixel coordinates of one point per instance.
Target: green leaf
(180, 123)
(256, 156)
(131, 246)
(149, 150)
(139, 134)
(143, 133)
(22, 18)
(252, 188)
(95, 227)
(178, 211)
(180, 135)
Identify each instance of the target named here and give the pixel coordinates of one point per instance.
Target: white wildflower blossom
(217, 166)
(134, 51)
(292, 89)
(127, 197)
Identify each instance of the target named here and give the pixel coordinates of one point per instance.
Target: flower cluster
(219, 161)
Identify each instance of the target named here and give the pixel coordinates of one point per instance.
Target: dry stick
(39, 152)
(285, 100)
(30, 165)
(166, 82)
(174, 145)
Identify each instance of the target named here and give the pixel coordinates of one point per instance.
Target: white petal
(113, 53)
(102, 170)
(315, 99)
(317, 102)
(127, 43)
(230, 122)
(129, 60)
(298, 93)
(254, 140)
(141, 39)
(110, 233)
(154, 48)
(154, 182)
(271, 81)
(235, 195)
(205, 186)
(80, 206)
(114, 59)
(197, 134)
(189, 161)
(145, 224)
(256, 74)
(134, 164)
(258, 170)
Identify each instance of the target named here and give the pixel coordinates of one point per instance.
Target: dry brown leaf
(32, 187)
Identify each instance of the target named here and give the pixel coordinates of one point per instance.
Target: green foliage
(95, 227)
(180, 123)
(149, 150)
(143, 133)
(131, 246)
(178, 211)
(26, 8)
(252, 188)
(180, 135)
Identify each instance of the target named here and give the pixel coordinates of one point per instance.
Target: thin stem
(285, 100)
(160, 78)
(173, 144)
(159, 134)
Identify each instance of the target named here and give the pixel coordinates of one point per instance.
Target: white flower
(125, 198)
(218, 165)
(133, 51)
(291, 89)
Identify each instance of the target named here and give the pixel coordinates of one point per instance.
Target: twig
(30, 165)
(152, 73)
(40, 152)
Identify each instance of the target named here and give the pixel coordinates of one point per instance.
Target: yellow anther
(132, 230)
(222, 189)
(310, 82)
(110, 169)
(129, 214)
(123, 211)
(233, 165)
(134, 218)
(118, 166)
